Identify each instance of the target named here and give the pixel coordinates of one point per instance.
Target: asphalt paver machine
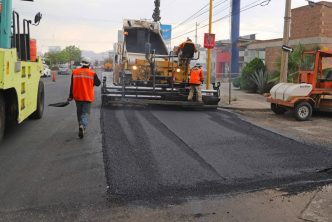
(312, 93)
(144, 72)
(21, 91)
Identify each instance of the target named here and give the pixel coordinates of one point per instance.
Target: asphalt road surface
(140, 153)
(155, 153)
(47, 172)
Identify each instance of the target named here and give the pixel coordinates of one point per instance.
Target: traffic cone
(53, 76)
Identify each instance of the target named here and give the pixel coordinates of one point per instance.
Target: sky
(93, 24)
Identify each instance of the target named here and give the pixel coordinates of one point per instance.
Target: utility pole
(208, 76)
(196, 33)
(235, 34)
(284, 54)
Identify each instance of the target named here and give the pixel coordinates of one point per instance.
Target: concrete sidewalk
(241, 100)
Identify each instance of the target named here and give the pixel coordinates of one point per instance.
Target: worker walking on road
(81, 90)
(195, 81)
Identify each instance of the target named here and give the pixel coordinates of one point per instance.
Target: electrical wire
(199, 15)
(189, 18)
(209, 9)
(263, 3)
(214, 14)
(229, 6)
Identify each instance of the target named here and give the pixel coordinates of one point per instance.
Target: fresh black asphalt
(155, 153)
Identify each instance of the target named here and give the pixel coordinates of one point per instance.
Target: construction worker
(81, 90)
(187, 49)
(195, 81)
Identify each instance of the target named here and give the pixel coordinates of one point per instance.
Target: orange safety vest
(196, 76)
(83, 82)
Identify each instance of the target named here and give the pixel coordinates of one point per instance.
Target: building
(311, 26)
(222, 57)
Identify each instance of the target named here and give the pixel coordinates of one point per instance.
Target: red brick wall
(312, 21)
(326, 21)
(271, 55)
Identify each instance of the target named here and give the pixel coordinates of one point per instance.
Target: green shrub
(261, 80)
(236, 82)
(248, 71)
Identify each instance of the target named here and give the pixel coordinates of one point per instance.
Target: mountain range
(97, 56)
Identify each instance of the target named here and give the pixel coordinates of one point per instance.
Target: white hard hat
(85, 61)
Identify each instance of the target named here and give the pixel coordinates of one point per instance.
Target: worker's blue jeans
(83, 111)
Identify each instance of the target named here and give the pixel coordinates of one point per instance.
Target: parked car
(46, 71)
(63, 70)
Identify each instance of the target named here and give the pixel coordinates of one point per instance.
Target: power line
(204, 12)
(196, 15)
(209, 9)
(214, 14)
(183, 22)
(245, 8)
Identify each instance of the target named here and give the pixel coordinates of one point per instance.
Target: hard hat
(198, 65)
(85, 61)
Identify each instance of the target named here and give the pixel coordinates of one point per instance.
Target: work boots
(81, 132)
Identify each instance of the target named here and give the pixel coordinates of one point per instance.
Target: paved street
(146, 157)
(153, 153)
(45, 169)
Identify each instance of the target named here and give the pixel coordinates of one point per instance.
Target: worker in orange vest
(195, 81)
(81, 90)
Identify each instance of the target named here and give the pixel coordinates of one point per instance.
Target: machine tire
(38, 114)
(2, 116)
(211, 100)
(279, 110)
(303, 111)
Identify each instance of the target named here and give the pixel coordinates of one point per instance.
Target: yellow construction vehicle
(108, 66)
(144, 72)
(21, 90)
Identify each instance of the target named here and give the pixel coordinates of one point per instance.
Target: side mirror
(147, 50)
(38, 17)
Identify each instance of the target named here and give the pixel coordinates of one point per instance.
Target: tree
(68, 55)
(156, 12)
(72, 53)
(55, 58)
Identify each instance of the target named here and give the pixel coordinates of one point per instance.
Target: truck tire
(2, 116)
(38, 114)
(303, 111)
(279, 110)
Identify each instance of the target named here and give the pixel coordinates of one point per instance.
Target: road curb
(245, 109)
